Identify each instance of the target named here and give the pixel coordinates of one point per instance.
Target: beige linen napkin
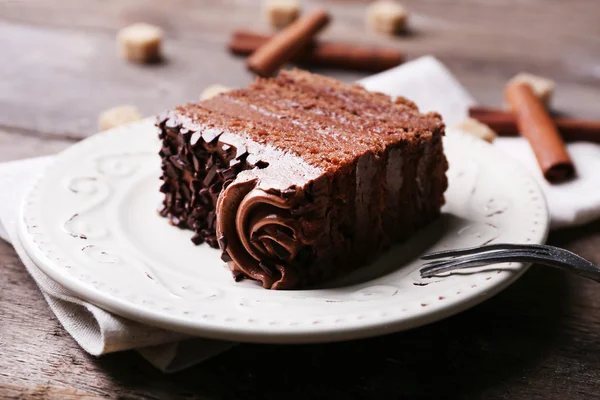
(97, 331)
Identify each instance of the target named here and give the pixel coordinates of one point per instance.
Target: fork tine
(481, 249)
(566, 261)
(451, 266)
(486, 259)
(491, 259)
(482, 256)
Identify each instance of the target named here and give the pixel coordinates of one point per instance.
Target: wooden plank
(45, 392)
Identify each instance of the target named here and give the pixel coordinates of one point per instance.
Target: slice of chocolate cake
(301, 178)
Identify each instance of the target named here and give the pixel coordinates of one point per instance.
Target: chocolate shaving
(210, 176)
(186, 192)
(163, 152)
(223, 242)
(212, 241)
(177, 162)
(209, 163)
(225, 257)
(196, 163)
(205, 196)
(197, 239)
(210, 219)
(171, 170)
(196, 185)
(261, 164)
(165, 188)
(238, 276)
(228, 174)
(227, 151)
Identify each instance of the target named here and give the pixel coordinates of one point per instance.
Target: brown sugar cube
(542, 87)
(477, 129)
(386, 16)
(118, 116)
(281, 13)
(140, 43)
(213, 90)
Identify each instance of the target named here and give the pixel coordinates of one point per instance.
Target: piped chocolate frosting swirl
(264, 234)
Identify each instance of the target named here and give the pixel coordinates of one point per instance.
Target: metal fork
(450, 260)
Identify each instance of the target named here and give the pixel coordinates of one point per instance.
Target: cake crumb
(477, 129)
(140, 43)
(281, 13)
(542, 87)
(213, 90)
(387, 16)
(118, 116)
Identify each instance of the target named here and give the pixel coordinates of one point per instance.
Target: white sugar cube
(118, 116)
(140, 43)
(477, 129)
(213, 90)
(281, 13)
(386, 16)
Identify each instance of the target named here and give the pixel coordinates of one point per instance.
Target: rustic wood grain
(539, 339)
(45, 392)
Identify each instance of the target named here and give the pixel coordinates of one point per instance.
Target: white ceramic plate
(90, 223)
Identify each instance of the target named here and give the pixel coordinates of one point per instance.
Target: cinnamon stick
(505, 124)
(286, 44)
(337, 55)
(537, 127)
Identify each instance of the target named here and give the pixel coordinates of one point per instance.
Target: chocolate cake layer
(301, 178)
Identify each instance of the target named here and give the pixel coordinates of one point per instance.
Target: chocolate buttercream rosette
(264, 235)
(269, 223)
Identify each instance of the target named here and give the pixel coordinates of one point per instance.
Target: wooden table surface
(539, 339)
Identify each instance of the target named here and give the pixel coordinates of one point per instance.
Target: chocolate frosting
(262, 235)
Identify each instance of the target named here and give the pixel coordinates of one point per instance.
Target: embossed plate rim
(357, 325)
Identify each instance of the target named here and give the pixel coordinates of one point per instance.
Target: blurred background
(60, 67)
